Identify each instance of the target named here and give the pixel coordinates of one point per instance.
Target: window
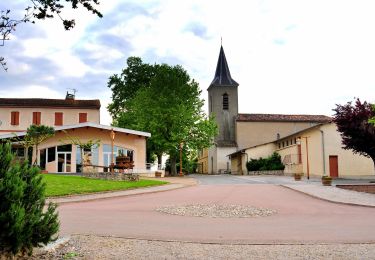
(279, 145)
(58, 118)
(14, 118)
(82, 117)
(210, 103)
(36, 118)
(51, 154)
(64, 148)
(225, 101)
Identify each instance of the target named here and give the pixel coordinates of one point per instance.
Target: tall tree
(41, 10)
(357, 133)
(125, 86)
(169, 106)
(25, 221)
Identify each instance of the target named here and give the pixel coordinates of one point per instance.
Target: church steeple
(222, 74)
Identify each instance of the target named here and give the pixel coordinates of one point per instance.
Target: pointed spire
(222, 74)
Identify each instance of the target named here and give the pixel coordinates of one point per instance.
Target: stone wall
(112, 176)
(278, 172)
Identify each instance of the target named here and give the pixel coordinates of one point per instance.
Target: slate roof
(222, 74)
(42, 102)
(282, 118)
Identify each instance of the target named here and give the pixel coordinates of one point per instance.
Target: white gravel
(216, 211)
(93, 247)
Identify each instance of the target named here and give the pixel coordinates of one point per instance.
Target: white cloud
(291, 56)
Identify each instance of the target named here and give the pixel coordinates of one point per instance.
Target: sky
(289, 57)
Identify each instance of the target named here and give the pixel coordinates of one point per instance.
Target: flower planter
(158, 174)
(297, 177)
(326, 181)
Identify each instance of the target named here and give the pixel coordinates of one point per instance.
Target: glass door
(64, 162)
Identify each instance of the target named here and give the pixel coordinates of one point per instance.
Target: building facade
(316, 151)
(72, 120)
(238, 131)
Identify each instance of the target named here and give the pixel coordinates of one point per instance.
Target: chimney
(69, 96)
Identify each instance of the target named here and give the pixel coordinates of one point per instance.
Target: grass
(60, 185)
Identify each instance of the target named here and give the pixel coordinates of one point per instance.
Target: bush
(23, 222)
(270, 163)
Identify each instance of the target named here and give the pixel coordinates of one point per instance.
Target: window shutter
(58, 118)
(36, 118)
(15, 118)
(82, 117)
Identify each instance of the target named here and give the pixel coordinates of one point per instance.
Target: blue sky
(289, 57)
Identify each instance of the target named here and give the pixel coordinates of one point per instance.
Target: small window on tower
(225, 102)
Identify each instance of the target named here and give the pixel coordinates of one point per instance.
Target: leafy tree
(372, 120)
(83, 146)
(36, 134)
(125, 86)
(41, 10)
(357, 133)
(165, 102)
(24, 223)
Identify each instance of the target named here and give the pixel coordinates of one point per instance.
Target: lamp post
(112, 150)
(181, 173)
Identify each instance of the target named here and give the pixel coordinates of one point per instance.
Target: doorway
(64, 162)
(333, 166)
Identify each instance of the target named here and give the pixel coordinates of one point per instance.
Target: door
(64, 162)
(333, 166)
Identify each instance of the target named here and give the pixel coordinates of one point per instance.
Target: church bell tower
(223, 105)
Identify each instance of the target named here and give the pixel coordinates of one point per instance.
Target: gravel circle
(216, 211)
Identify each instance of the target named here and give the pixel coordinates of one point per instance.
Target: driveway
(299, 218)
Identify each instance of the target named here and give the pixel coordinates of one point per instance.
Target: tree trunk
(172, 160)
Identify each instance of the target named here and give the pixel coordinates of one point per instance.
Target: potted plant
(297, 176)
(158, 174)
(326, 181)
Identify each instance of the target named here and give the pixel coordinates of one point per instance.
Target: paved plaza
(299, 219)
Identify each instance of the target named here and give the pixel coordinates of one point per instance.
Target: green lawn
(59, 185)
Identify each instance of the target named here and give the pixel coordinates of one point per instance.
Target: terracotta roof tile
(282, 118)
(42, 102)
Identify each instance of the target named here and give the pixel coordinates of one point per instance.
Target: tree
(125, 86)
(166, 103)
(372, 120)
(36, 134)
(24, 223)
(41, 10)
(83, 146)
(357, 133)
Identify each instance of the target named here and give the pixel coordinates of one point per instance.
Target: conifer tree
(24, 223)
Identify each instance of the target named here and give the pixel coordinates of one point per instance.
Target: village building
(72, 119)
(243, 137)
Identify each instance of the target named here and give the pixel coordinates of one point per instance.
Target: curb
(327, 200)
(110, 195)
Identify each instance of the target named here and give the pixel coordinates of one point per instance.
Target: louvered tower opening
(225, 102)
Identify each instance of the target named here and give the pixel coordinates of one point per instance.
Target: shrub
(23, 222)
(270, 163)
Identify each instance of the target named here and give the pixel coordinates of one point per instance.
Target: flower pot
(297, 177)
(157, 174)
(326, 181)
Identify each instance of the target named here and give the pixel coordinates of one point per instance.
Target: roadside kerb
(335, 195)
(175, 183)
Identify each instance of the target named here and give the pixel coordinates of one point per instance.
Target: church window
(225, 102)
(210, 103)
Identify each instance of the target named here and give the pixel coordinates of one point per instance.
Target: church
(241, 134)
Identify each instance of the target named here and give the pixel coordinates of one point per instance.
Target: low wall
(112, 176)
(368, 188)
(278, 172)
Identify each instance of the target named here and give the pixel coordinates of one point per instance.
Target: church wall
(261, 151)
(250, 134)
(224, 118)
